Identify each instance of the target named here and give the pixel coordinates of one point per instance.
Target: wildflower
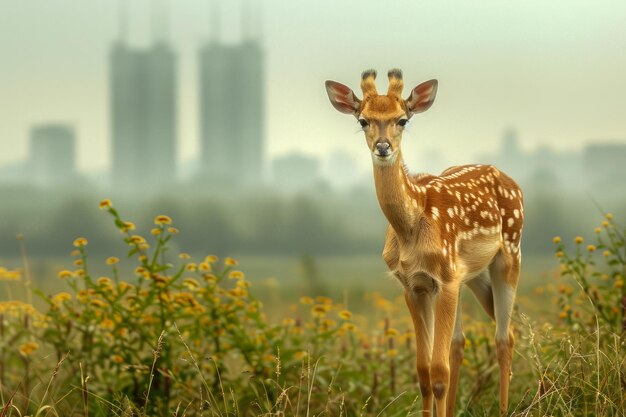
(606, 253)
(191, 267)
(27, 349)
(391, 332)
(80, 242)
(269, 358)
(236, 275)
(323, 300)
(105, 204)
(204, 266)
(609, 216)
(104, 281)
(559, 254)
(597, 230)
(318, 311)
(162, 219)
(556, 239)
(61, 297)
(392, 353)
(605, 224)
(350, 327)
(112, 260)
(79, 272)
(210, 278)
(539, 290)
(156, 231)
(243, 284)
(75, 252)
(211, 259)
(117, 359)
(107, 324)
(619, 283)
(78, 262)
(6, 275)
(345, 314)
(172, 230)
(591, 248)
(184, 255)
(288, 322)
(127, 226)
(136, 239)
(306, 300)
(190, 283)
(230, 262)
(140, 270)
(65, 274)
(578, 240)
(98, 303)
(301, 354)
(563, 314)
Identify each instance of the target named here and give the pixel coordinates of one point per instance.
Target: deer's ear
(422, 97)
(342, 98)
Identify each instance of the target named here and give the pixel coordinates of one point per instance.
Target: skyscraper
(232, 109)
(143, 114)
(52, 154)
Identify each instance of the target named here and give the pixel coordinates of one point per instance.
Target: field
(164, 333)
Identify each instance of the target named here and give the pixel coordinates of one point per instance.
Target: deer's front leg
(445, 314)
(421, 308)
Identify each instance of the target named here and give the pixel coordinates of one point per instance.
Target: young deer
(463, 226)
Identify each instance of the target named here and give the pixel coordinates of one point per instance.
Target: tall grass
(187, 337)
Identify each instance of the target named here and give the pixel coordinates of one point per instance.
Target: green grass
(163, 334)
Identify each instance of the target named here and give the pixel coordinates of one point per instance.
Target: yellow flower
(75, 253)
(619, 283)
(137, 240)
(65, 274)
(107, 324)
(539, 290)
(597, 230)
(61, 297)
(288, 322)
(78, 262)
(204, 266)
(190, 283)
(605, 224)
(184, 255)
(162, 219)
(348, 327)
(80, 242)
(556, 239)
(591, 248)
(210, 278)
(172, 230)
(104, 281)
(191, 267)
(127, 226)
(155, 231)
(211, 259)
(562, 314)
(27, 349)
(345, 314)
(112, 260)
(391, 332)
(301, 354)
(6, 275)
(98, 303)
(392, 353)
(230, 262)
(318, 311)
(578, 239)
(559, 254)
(306, 300)
(609, 216)
(105, 204)
(236, 275)
(117, 359)
(606, 253)
(323, 300)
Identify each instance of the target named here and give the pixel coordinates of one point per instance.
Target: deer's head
(382, 117)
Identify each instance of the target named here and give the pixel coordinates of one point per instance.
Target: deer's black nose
(382, 147)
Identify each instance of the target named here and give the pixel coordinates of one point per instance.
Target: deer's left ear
(422, 97)
(342, 98)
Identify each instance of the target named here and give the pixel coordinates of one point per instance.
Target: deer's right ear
(342, 98)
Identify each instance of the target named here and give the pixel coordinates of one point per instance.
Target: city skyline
(531, 75)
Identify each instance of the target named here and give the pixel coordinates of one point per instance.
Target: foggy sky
(555, 70)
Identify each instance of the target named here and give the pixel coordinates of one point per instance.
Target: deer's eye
(364, 123)
(402, 122)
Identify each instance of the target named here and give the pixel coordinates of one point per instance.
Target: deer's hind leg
(504, 272)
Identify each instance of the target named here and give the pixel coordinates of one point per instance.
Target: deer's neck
(401, 201)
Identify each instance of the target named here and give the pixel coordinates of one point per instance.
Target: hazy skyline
(553, 70)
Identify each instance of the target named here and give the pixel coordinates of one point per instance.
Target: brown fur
(444, 231)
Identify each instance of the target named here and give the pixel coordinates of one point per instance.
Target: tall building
(232, 110)
(52, 154)
(143, 114)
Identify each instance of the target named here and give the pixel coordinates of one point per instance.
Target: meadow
(193, 335)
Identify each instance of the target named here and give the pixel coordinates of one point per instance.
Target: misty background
(214, 112)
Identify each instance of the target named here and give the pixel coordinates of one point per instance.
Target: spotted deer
(461, 227)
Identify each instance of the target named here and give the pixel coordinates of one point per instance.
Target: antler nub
(395, 82)
(367, 83)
